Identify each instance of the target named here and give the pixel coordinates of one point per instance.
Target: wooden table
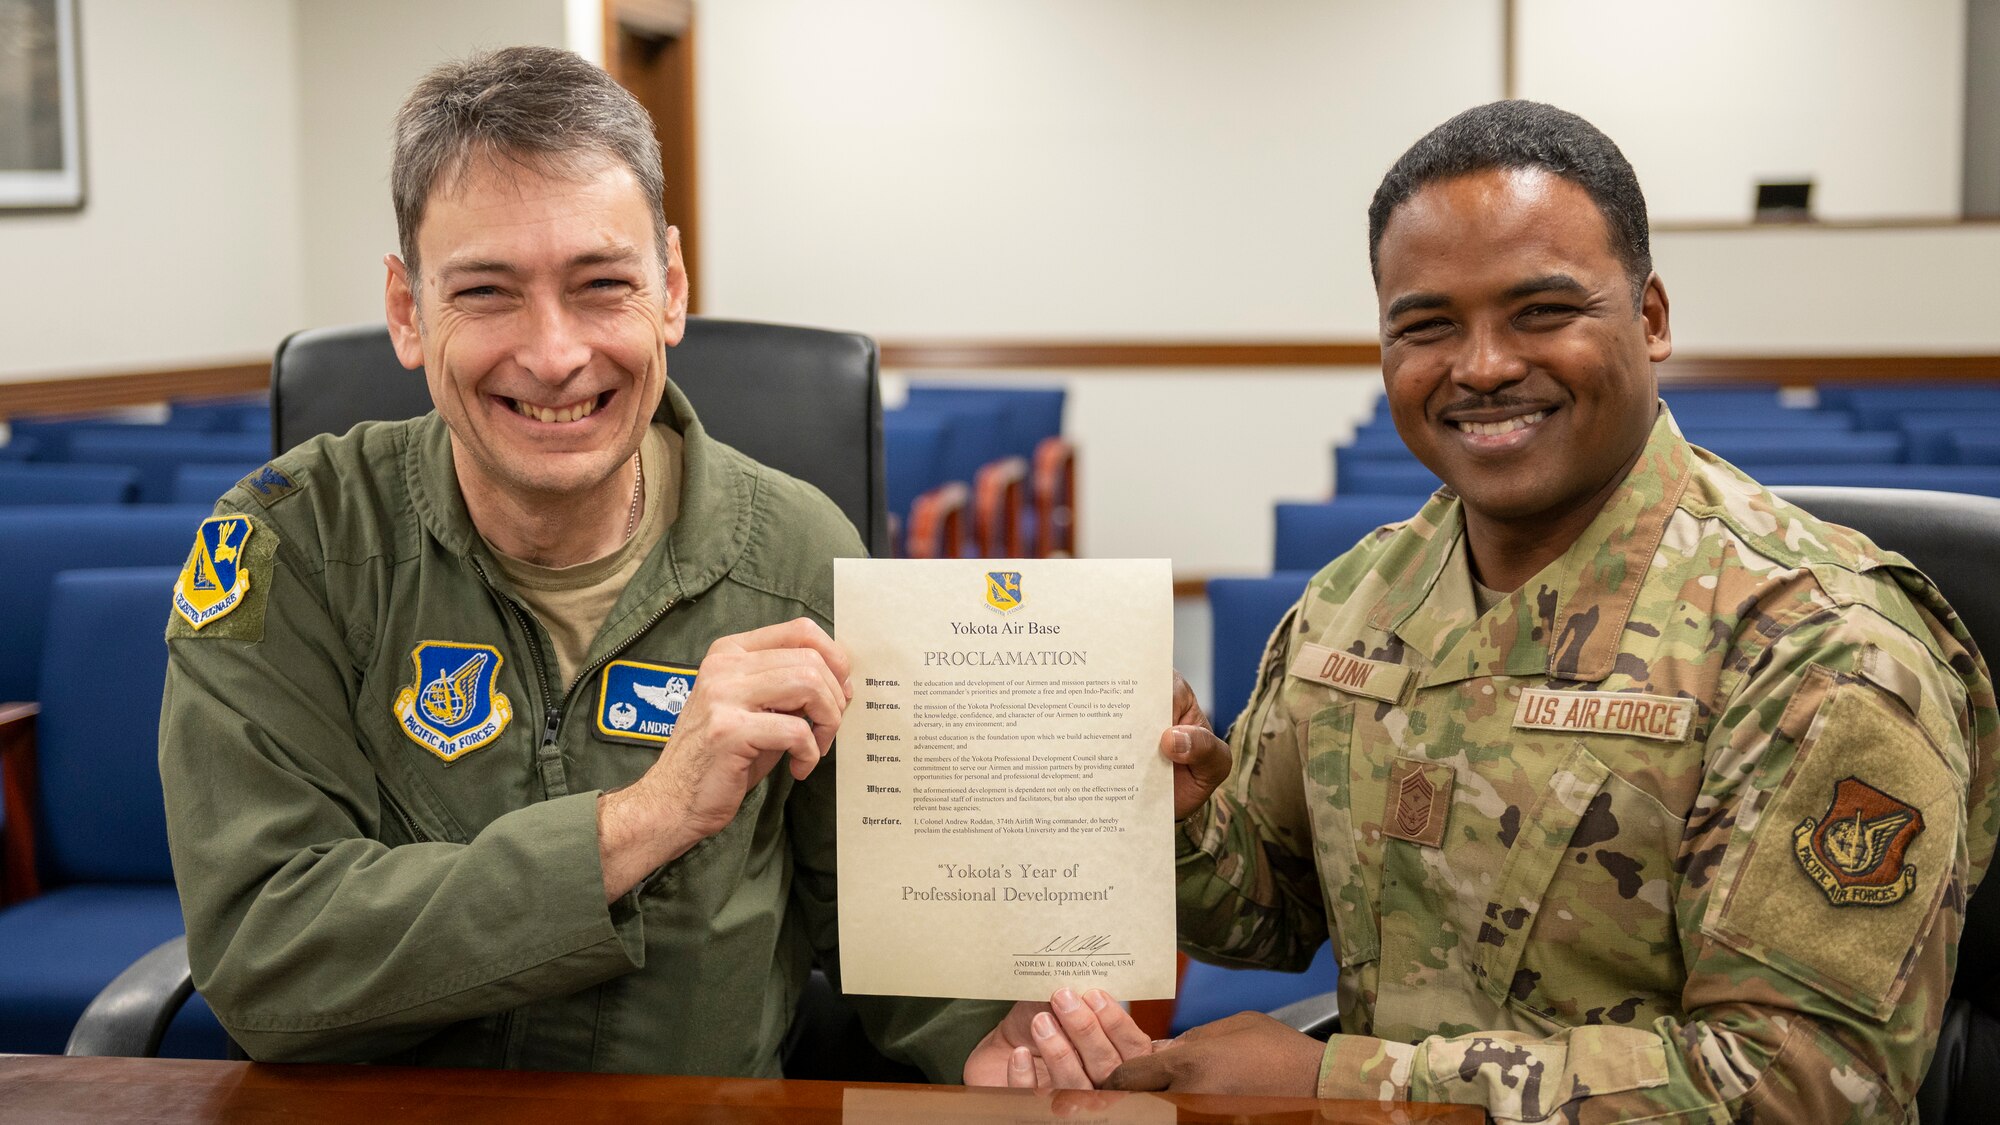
(53, 1089)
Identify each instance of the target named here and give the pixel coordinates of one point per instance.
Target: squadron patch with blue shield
(216, 577)
(455, 705)
(641, 702)
(1003, 590)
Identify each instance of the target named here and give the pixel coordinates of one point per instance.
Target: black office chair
(804, 401)
(1955, 539)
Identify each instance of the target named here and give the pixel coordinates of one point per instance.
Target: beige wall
(1708, 97)
(1119, 168)
(188, 248)
(356, 59)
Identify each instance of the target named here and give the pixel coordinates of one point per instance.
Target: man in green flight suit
(496, 737)
(1623, 789)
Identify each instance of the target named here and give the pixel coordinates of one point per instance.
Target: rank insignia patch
(1855, 851)
(269, 485)
(455, 706)
(1003, 590)
(214, 579)
(1418, 802)
(642, 702)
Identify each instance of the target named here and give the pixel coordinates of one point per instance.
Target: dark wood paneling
(1806, 370)
(198, 1092)
(132, 388)
(978, 354)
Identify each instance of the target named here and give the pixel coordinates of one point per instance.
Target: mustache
(1493, 402)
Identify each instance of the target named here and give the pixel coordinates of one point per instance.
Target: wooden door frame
(659, 71)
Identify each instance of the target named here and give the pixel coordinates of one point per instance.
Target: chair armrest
(1055, 498)
(937, 523)
(17, 796)
(996, 512)
(130, 1016)
(1317, 1016)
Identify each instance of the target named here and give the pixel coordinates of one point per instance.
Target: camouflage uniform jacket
(1681, 830)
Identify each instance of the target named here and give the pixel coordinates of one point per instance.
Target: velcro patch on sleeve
(1848, 861)
(224, 585)
(1376, 679)
(1662, 717)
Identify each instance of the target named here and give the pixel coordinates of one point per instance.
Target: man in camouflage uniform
(1624, 789)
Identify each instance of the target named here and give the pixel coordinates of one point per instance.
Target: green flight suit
(353, 893)
(1683, 828)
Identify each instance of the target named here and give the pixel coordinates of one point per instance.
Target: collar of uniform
(705, 540)
(1567, 620)
(717, 500)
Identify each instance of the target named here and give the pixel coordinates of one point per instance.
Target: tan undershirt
(1485, 597)
(572, 601)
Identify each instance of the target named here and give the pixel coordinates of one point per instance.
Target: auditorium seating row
(1943, 436)
(971, 471)
(980, 472)
(192, 457)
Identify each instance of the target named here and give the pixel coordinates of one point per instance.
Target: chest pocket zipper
(416, 833)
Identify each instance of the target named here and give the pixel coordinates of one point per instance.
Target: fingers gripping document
(1005, 816)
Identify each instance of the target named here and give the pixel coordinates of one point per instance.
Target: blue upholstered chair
(37, 543)
(1243, 611)
(1382, 478)
(1311, 535)
(204, 484)
(27, 483)
(89, 884)
(1211, 992)
(158, 452)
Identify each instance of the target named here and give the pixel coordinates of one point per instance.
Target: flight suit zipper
(552, 709)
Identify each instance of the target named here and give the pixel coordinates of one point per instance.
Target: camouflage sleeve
(1824, 870)
(1248, 891)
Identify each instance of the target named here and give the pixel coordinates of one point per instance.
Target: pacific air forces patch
(641, 703)
(1854, 851)
(455, 705)
(216, 577)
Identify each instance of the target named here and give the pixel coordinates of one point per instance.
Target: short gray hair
(540, 107)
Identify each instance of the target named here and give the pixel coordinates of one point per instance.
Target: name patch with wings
(640, 703)
(1855, 851)
(455, 705)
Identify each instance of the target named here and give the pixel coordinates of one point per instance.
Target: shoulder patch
(1854, 851)
(227, 573)
(269, 485)
(641, 703)
(1847, 862)
(454, 705)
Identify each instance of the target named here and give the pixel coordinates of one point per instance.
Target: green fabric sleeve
(313, 939)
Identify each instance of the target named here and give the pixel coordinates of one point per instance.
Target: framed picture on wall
(41, 145)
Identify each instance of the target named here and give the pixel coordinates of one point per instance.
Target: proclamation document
(1006, 819)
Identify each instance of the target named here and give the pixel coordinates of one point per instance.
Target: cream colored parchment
(1005, 816)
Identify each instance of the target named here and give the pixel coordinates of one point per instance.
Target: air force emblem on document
(215, 577)
(455, 705)
(642, 702)
(1003, 590)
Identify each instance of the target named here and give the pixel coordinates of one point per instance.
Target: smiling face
(1516, 366)
(540, 319)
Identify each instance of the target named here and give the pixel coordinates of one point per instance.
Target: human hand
(1201, 760)
(1247, 1053)
(1072, 1043)
(759, 697)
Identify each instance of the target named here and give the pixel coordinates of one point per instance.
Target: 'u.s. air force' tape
(641, 702)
